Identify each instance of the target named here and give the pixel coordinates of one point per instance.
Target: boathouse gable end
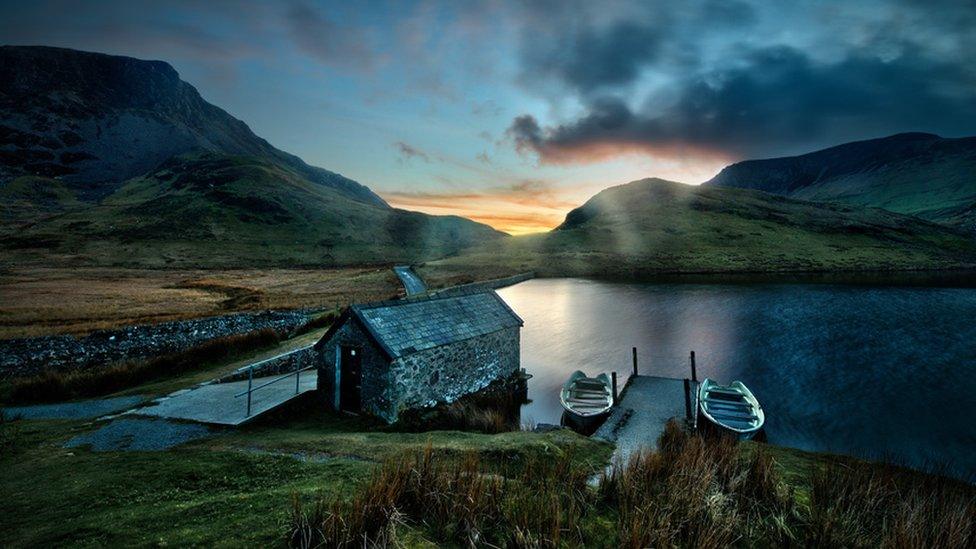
(419, 352)
(374, 364)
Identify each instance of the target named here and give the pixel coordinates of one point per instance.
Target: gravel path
(141, 435)
(85, 409)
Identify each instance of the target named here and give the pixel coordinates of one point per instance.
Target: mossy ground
(233, 489)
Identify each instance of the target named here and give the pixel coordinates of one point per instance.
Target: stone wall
(493, 284)
(444, 374)
(281, 364)
(376, 389)
(28, 356)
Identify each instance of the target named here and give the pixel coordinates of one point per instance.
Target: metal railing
(250, 381)
(276, 357)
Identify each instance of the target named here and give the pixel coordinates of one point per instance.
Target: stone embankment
(28, 356)
(493, 284)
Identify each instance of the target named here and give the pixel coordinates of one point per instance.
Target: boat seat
(728, 405)
(726, 415)
(600, 391)
(739, 424)
(725, 395)
(587, 400)
(589, 392)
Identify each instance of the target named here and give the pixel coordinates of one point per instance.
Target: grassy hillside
(213, 210)
(917, 174)
(655, 226)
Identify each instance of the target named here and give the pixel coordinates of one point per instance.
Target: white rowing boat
(732, 407)
(587, 400)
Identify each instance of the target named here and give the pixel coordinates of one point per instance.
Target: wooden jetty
(644, 407)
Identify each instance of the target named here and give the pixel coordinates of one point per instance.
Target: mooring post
(613, 380)
(687, 399)
(298, 373)
(635, 360)
(694, 373)
(250, 380)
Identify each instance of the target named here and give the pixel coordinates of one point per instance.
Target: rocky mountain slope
(913, 173)
(654, 226)
(114, 160)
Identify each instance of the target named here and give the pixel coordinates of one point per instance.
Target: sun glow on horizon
(538, 206)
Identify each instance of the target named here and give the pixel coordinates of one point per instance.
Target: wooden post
(635, 361)
(687, 399)
(613, 380)
(694, 373)
(298, 373)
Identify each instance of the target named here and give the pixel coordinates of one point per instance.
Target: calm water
(873, 371)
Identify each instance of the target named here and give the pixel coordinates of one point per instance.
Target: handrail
(276, 357)
(250, 380)
(289, 374)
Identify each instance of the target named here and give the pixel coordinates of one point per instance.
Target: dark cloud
(775, 100)
(408, 152)
(331, 43)
(588, 58)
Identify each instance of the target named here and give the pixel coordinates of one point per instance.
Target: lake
(883, 372)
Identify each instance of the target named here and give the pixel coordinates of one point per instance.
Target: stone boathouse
(387, 357)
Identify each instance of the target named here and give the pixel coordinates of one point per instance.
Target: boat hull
(730, 409)
(586, 401)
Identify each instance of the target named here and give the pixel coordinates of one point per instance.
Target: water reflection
(852, 369)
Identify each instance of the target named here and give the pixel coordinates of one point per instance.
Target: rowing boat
(732, 407)
(587, 400)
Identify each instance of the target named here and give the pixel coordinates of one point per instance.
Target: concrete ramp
(648, 403)
(216, 404)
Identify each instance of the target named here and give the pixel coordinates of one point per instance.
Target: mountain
(654, 226)
(111, 160)
(97, 120)
(912, 173)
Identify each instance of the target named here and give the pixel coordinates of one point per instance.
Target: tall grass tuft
(870, 505)
(696, 491)
(459, 499)
(53, 386)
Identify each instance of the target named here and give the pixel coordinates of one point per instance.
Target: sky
(513, 113)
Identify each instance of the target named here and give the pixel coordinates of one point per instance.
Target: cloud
(408, 152)
(774, 100)
(588, 59)
(333, 44)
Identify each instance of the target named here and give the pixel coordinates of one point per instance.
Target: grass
(653, 227)
(861, 505)
(696, 491)
(315, 475)
(46, 301)
(231, 490)
(223, 212)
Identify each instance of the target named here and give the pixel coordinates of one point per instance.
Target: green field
(652, 226)
(219, 211)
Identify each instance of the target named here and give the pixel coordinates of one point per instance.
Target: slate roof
(407, 326)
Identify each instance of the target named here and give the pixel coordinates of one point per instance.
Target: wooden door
(350, 379)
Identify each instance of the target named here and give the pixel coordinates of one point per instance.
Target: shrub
(459, 500)
(52, 386)
(870, 505)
